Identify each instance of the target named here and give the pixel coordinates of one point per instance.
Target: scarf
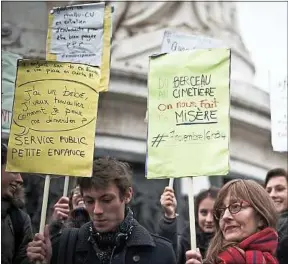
(258, 248)
(105, 244)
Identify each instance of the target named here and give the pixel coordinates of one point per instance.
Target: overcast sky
(263, 27)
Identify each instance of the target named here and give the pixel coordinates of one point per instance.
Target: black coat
(181, 244)
(141, 248)
(168, 228)
(8, 254)
(202, 242)
(282, 251)
(282, 225)
(282, 229)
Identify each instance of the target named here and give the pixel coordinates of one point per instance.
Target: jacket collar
(284, 214)
(139, 237)
(5, 205)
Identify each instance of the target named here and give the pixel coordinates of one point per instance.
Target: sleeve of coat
(20, 256)
(164, 253)
(171, 256)
(55, 228)
(168, 228)
(182, 248)
(184, 245)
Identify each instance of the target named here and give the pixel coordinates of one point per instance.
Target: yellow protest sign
(54, 118)
(188, 114)
(73, 38)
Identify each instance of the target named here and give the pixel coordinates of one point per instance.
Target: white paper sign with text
(174, 41)
(278, 104)
(77, 33)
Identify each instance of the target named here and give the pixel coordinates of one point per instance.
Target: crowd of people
(242, 222)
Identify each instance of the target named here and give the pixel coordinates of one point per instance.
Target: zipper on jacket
(111, 258)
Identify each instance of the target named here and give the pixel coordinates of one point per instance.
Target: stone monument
(138, 28)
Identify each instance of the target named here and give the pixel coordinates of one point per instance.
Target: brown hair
(72, 192)
(258, 198)
(209, 193)
(107, 171)
(275, 173)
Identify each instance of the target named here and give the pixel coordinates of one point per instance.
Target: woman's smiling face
(235, 227)
(277, 189)
(205, 215)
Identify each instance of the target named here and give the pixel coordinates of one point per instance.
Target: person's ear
(260, 223)
(128, 195)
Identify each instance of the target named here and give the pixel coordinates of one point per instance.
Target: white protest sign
(173, 41)
(77, 33)
(278, 105)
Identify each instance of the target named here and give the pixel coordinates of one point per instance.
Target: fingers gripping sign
(193, 257)
(40, 249)
(168, 202)
(61, 209)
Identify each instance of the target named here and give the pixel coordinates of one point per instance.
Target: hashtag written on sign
(158, 139)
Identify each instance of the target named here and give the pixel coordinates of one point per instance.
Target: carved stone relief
(139, 26)
(24, 28)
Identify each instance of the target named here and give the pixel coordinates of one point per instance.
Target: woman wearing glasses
(245, 220)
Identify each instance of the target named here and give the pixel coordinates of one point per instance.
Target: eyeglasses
(233, 208)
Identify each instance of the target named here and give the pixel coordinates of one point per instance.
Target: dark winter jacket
(282, 229)
(282, 225)
(141, 248)
(202, 242)
(282, 251)
(168, 229)
(8, 240)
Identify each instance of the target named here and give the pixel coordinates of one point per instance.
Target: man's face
(277, 189)
(106, 208)
(9, 182)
